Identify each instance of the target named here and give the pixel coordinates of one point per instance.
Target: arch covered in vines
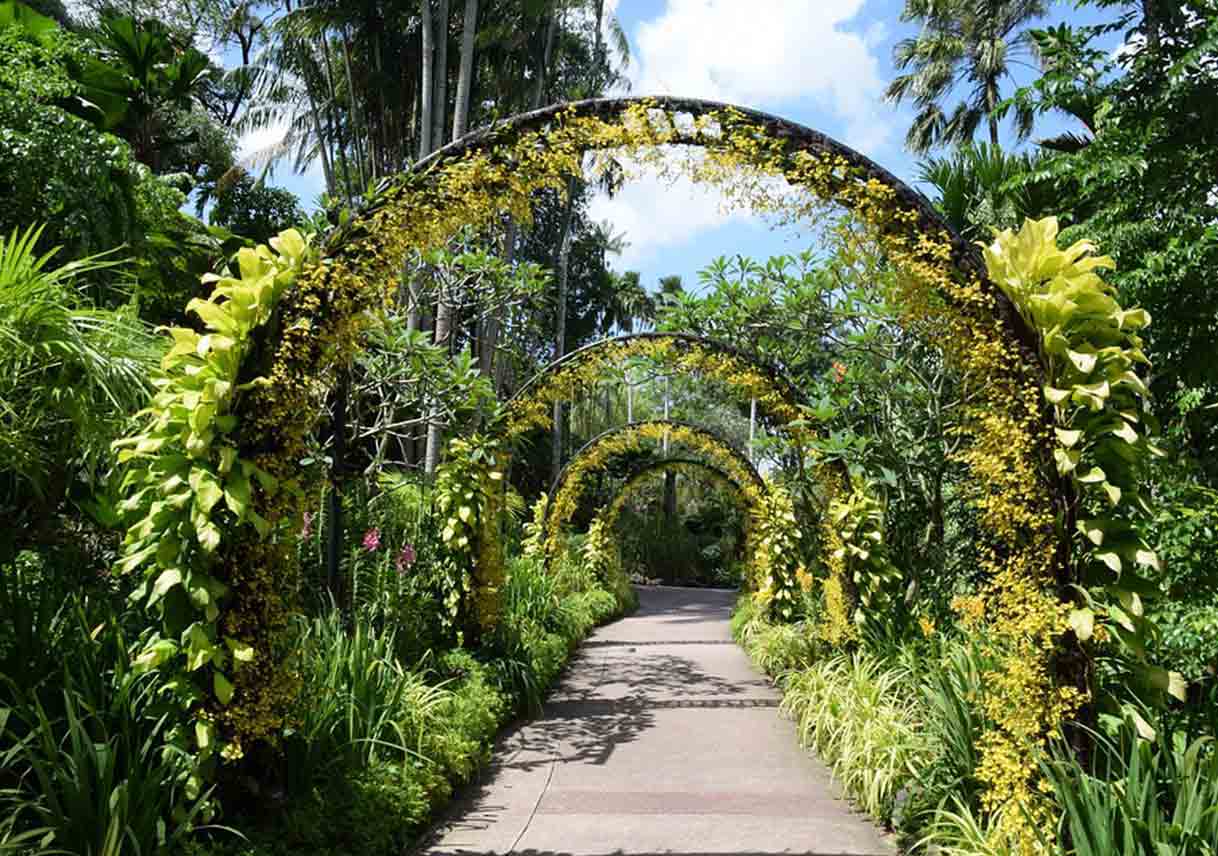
(639, 475)
(216, 487)
(777, 397)
(562, 500)
(600, 548)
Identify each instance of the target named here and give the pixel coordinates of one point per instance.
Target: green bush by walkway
(377, 746)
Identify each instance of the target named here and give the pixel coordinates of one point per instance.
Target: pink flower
(306, 527)
(405, 558)
(839, 372)
(372, 539)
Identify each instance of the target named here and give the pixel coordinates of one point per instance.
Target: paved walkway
(660, 738)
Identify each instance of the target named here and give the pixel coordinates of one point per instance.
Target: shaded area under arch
(734, 454)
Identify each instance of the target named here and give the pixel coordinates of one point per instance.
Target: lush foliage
(971, 558)
(69, 376)
(189, 488)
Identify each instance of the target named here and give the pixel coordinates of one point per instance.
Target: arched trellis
(653, 468)
(237, 557)
(777, 396)
(601, 530)
(563, 496)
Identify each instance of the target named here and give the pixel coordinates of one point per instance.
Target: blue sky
(824, 63)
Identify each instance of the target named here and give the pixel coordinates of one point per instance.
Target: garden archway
(216, 482)
(602, 547)
(641, 474)
(746, 374)
(562, 500)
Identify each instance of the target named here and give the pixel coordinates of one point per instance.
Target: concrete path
(660, 738)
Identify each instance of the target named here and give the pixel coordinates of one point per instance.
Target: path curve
(660, 738)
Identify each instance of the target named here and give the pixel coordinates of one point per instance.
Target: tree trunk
(443, 339)
(544, 65)
(338, 142)
(1151, 24)
(488, 340)
(991, 98)
(469, 29)
(380, 159)
(440, 78)
(356, 135)
(560, 320)
(426, 87)
(322, 143)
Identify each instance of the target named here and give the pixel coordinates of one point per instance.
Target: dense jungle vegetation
(123, 199)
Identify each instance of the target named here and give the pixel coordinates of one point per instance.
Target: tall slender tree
(972, 45)
(427, 87)
(439, 106)
(469, 32)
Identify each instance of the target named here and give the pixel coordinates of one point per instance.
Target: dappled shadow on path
(678, 605)
(533, 852)
(611, 693)
(650, 673)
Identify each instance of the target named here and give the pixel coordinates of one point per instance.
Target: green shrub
(357, 703)
(945, 791)
(544, 616)
(90, 764)
(1155, 796)
(777, 649)
(1186, 537)
(863, 718)
(746, 618)
(468, 718)
(375, 810)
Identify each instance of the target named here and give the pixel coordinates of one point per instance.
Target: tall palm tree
(974, 44)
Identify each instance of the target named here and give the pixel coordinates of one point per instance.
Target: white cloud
(253, 150)
(770, 54)
(262, 140)
(654, 213)
(792, 57)
(660, 208)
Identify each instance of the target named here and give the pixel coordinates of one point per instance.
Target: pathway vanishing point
(660, 738)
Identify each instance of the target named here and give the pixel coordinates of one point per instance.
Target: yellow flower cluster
(776, 557)
(629, 438)
(946, 298)
(853, 530)
(835, 626)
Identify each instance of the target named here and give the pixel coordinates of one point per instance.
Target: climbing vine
(689, 466)
(600, 548)
(532, 409)
(564, 500)
(469, 486)
(776, 569)
(193, 488)
(1046, 356)
(859, 563)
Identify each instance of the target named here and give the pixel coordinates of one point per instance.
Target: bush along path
(660, 738)
(381, 744)
(898, 725)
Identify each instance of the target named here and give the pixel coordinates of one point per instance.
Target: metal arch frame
(965, 257)
(663, 464)
(628, 426)
(790, 392)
